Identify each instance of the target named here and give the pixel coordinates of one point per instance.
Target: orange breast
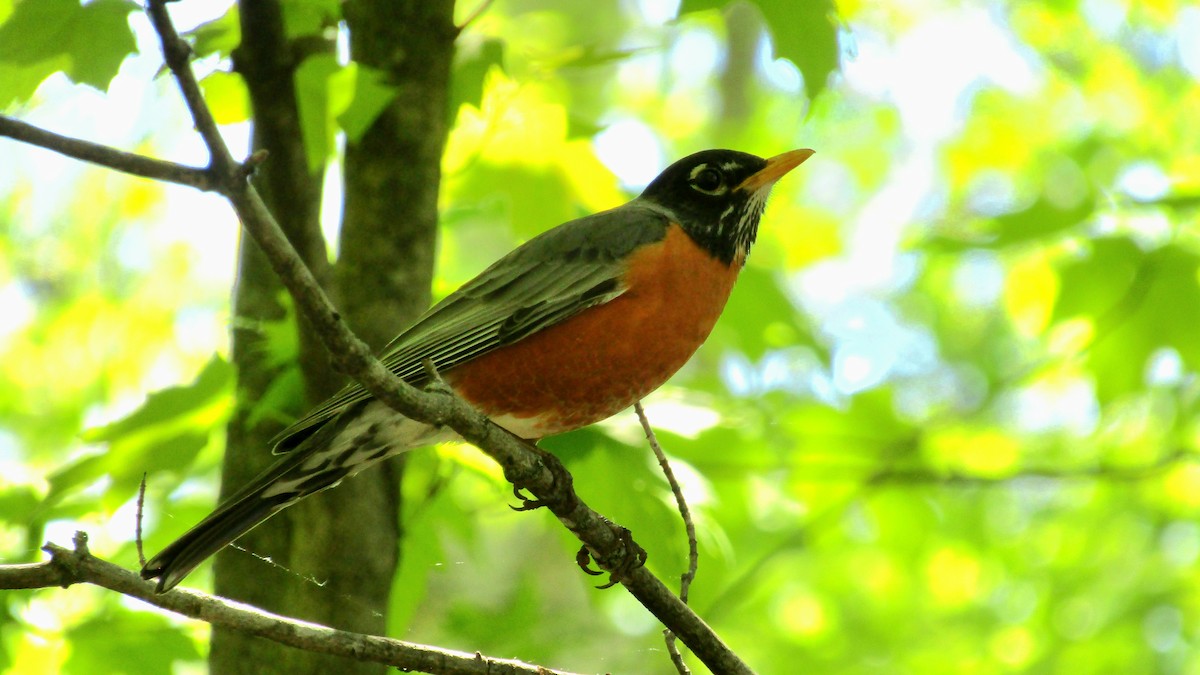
(601, 361)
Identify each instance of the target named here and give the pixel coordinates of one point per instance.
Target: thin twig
(685, 580)
(608, 543)
(137, 533)
(478, 12)
(66, 567)
(177, 54)
(125, 162)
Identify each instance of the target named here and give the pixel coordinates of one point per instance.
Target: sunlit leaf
(1138, 302)
(305, 18)
(806, 34)
(152, 637)
(18, 503)
(1041, 219)
(227, 97)
(1094, 284)
(312, 81)
(803, 32)
(87, 42)
(169, 404)
(79, 473)
(18, 83)
(470, 70)
(372, 95)
(760, 316)
(220, 36)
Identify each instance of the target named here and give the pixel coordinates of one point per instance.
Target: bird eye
(708, 180)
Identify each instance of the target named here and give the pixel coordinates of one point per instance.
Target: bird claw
(630, 558)
(527, 503)
(563, 483)
(584, 559)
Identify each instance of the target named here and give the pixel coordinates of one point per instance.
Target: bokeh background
(947, 424)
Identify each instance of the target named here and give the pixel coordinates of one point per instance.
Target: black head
(718, 196)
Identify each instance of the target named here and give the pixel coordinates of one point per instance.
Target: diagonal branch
(178, 53)
(66, 567)
(609, 545)
(126, 162)
(540, 474)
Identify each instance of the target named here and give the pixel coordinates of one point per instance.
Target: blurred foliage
(947, 424)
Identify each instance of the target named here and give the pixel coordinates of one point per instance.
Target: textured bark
(266, 61)
(384, 273)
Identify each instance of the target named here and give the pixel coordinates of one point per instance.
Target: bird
(570, 328)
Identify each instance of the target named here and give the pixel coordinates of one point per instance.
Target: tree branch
(125, 162)
(66, 567)
(522, 467)
(177, 53)
(685, 580)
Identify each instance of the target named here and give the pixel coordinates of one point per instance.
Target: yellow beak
(775, 169)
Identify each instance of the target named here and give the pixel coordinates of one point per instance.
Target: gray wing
(548, 279)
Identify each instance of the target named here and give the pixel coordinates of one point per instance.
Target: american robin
(570, 328)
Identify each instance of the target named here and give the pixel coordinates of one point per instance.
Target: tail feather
(304, 471)
(358, 437)
(212, 534)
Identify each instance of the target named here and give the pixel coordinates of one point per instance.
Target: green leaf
(372, 95)
(126, 642)
(1043, 218)
(281, 401)
(328, 93)
(18, 83)
(125, 462)
(423, 552)
(1138, 302)
(312, 98)
(760, 316)
(1093, 284)
(81, 472)
(533, 198)
(169, 404)
(1173, 300)
(592, 56)
(303, 18)
(576, 445)
(18, 503)
(689, 6)
(227, 97)
(219, 36)
(128, 461)
(470, 72)
(803, 31)
(87, 42)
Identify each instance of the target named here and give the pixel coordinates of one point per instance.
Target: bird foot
(625, 562)
(561, 489)
(528, 503)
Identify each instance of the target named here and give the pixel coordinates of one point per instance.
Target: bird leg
(630, 557)
(562, 481)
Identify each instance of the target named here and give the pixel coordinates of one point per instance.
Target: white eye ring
(708, 180)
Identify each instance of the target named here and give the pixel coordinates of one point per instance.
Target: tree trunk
(384, 274)
(267, 60)
(382, 280)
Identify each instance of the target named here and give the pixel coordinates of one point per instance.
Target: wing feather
(545, 281)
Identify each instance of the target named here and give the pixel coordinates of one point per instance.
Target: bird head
(718, 196)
